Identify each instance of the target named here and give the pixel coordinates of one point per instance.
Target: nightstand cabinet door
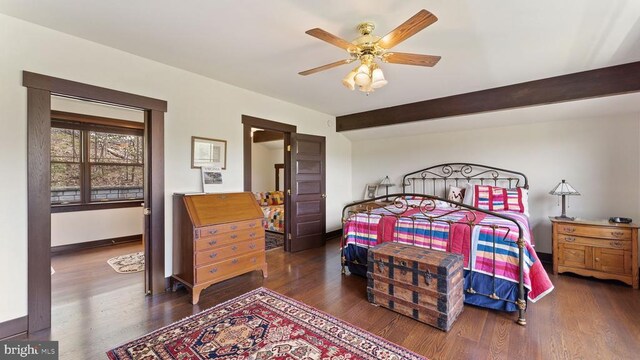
(576, 256)
(612, 261)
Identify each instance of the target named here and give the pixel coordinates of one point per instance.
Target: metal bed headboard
(434, 179)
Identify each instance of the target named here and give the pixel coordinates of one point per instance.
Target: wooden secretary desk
(216, 237)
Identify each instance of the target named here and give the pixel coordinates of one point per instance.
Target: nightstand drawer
(597, 232)
(602, 243)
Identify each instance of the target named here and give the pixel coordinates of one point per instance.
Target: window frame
(85, 124)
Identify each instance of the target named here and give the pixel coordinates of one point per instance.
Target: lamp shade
(564, 188)
(362, 76)
(377, 78)
(349, 81)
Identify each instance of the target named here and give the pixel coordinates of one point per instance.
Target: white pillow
(468, 194)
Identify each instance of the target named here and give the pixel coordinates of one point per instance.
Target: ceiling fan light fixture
(349, 81)
(363, 77)
(377, 78)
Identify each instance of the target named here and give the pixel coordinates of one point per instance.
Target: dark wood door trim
(614, 80)
(39, 209)
(277, 168)
(154, 139)
(90, 92)
(39, 91)
(249, 122)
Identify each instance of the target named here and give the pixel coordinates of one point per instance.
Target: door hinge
(289, 192)
(289, 148)
(146, 211)
(289, 236)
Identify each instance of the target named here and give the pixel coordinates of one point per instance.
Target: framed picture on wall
(208, 152)
(370, 191)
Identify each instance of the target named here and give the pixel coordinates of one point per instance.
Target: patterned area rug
(273, 240)
(260, 324)
(129, 263)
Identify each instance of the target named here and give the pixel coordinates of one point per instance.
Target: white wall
(197, 106)
(263, 159)
(82, 226)
(599, 157)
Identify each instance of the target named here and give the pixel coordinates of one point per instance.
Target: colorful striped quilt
(448, 229)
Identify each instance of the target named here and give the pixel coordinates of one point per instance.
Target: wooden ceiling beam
(614, 80)
(266, 135)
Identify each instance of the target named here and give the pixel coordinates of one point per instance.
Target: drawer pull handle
(213, 242)
(569, 238)
(234, 261)
(213, 255)
(403, 270)
(211, 232)
(233, 236)
(252, 246)
(253, 260)
(213, 271)
(569, 229)
(617, 233)
(252, 225)
(252, 235)
(617, 244)
(597, 259)
(234, 248)
(233, 227)
(380, 266)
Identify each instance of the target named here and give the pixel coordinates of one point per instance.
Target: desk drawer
(213, 230)
(597, 232)
(601, 243)
(227, 238)
(234, 265)
(221, 253)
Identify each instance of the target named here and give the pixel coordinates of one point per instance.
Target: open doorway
(304, 182)
(267, 182)
(97, 193)
(39, 90)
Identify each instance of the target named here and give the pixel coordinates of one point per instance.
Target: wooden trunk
(424, 284)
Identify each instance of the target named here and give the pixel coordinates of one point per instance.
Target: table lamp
(564, 189)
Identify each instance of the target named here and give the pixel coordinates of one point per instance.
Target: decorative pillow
(261, 197)
(494, 198)
(276, 198)
(456, 194)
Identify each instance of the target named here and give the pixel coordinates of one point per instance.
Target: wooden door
(576, 256)
(306, 213)
(612, 260)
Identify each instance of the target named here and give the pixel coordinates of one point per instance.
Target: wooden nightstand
(596, 248)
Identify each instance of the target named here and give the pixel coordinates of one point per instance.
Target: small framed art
(208, 152)
(370, 191)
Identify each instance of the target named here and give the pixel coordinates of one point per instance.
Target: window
(95, 162)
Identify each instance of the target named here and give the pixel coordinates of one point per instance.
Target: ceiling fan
(368, 48)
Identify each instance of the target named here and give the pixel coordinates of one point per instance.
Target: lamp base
(564, 217)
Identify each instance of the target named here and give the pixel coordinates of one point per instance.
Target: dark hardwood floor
(95, 309)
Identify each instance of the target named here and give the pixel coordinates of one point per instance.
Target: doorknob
(146, 211)
(324, 196)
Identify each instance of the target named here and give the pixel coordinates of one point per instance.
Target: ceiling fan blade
(330, 38)
(411, 59)
(325, 67)
(409, 28)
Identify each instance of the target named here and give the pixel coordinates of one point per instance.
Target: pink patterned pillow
(494, 198)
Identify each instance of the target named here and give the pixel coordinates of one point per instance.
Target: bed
(478, 211)
(272, 205)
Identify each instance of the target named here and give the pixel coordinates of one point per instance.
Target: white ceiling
(261, 45)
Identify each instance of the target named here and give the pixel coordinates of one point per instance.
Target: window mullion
(86, 167)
